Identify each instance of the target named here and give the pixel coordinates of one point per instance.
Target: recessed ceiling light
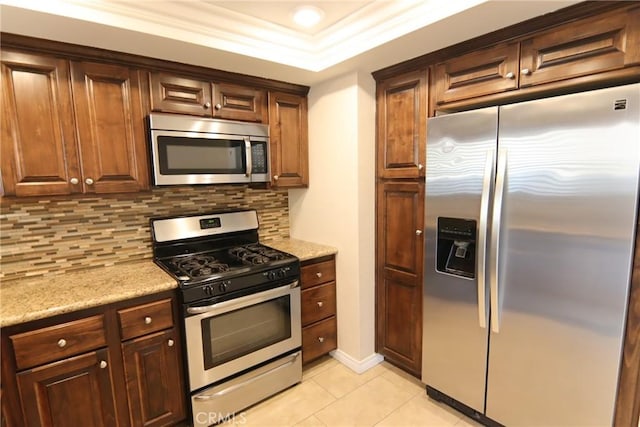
(307, 16)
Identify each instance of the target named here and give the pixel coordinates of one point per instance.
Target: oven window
(181, 155)
(243, 331)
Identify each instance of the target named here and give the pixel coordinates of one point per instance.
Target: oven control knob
(271, 275)
(281, 273)
(208, 290)
(224, 285)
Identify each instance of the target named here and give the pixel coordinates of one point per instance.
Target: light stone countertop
(302, 249)
(40, 297)
(37, 298)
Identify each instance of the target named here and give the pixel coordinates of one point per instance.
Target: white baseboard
(358, 366)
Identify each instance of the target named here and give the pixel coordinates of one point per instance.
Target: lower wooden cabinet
(76, 391)
(150, 364)
(79, 369)
(318, 306)
(400, 222)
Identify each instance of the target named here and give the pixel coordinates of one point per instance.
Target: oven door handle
(248, 381)
(243, 301)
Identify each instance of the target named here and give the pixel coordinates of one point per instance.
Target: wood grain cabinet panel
(186, 95)
(583, 48)
(399, 273)
(478, 73)
(401, 120)
(39, 151)
(318, 308)
(77, 391)
(110, 126)
(154, 385)
(289, 140)
(56, 342)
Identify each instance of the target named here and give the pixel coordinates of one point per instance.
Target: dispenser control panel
(456, 247)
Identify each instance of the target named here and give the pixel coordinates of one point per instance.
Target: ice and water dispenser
(456, 247)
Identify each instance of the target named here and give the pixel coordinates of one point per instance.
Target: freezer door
(460, 156)
(566, 246)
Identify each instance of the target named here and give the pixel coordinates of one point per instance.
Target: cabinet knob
(510, 75)
(320, 339)
(275, 177)
(148, 320)
(62, 342)
(525, 71)
(103, 364)
(207, 104)
(418, 232)
(170, 343)
(74, 181)
(320, 303)
(88, 181)
(420, 166)
(319, 274)
(218, 106)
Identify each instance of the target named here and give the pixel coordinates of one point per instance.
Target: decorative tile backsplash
(61, 234)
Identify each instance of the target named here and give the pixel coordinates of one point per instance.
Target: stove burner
(272, 254)
(201, 265)
(247, 256)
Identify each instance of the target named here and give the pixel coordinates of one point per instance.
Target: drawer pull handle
(103, 364)
(148, 320)
(320, 303)
(319, 274)
(170, 343)
(218, 106)
(525, 71)
(88, 181)
(207, 104)
(321, 339)
(62, 342)
(510, 75)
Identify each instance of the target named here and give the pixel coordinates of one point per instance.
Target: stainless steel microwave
(195, 150)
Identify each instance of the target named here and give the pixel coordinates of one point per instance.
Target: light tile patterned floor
(333, 395)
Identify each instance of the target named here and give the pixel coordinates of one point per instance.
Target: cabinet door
(586, 47)
(72, 392)
(155, 389)
(289, 140)
(38, 141)
(399, 249)
(111, 128)
(478, 73)
(175, 94)
(402, 115)
(239, 103)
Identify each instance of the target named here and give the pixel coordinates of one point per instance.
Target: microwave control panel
(259, 157)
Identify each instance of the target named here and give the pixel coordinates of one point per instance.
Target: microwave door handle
(247, 148)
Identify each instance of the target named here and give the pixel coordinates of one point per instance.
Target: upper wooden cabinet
(186, 95)
(401, 125)
(71, 127)
(590, 47)
(289, 140)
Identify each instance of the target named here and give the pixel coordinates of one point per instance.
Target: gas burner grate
(200, 266)
(248, 256)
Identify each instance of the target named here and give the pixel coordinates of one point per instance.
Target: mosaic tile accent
(61, 234)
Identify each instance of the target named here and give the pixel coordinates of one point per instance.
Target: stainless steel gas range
(241, 309)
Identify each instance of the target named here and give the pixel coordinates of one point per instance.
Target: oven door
(203, 158)
(228, 337)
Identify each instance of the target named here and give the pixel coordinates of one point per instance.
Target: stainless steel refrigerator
(529, 235)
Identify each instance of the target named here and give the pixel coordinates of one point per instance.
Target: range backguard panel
(456, 247)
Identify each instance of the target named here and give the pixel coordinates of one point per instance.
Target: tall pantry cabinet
(401, 136)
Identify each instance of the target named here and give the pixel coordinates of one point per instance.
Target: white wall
(338, 207)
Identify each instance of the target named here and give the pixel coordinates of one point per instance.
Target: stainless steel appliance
(196, 150)
(241, 307)
(542, 196)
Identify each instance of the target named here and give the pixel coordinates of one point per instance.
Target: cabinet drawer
(57, 342)
(318, 303)
(146, 318)
(319, 339)
(314, 274)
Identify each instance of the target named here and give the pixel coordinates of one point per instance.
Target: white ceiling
(259, 37)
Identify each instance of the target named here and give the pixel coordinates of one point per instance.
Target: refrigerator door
(459, 171)
(565, 254)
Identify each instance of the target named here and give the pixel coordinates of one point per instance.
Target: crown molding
(209, 25)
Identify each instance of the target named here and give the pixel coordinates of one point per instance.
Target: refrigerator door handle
(482, 237)
(495, 240)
